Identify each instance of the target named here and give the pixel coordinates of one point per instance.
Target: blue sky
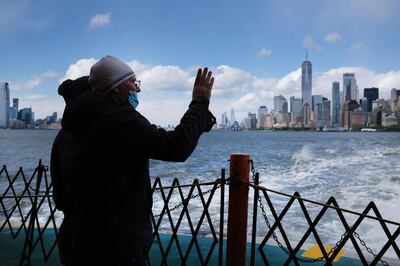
(254, 47)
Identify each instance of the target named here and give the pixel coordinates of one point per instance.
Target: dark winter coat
(100, 171)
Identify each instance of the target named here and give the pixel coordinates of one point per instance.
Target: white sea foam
(305, 154)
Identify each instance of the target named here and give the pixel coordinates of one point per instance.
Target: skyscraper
(395, 100)
(224, 121)
(306, 118)
(233, 119)
(315, 99)
(14, 109)
(371, 94)
(250, 122)
(306, 81)
(262, 117)
(16, 103)
(278, 103)
(26, 115)
(296, 110)
(281, 109)
(291, 101)
(394, 94)
(350, 89)
(335, 104)
(4, 105)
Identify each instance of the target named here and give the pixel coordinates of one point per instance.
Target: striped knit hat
(109, 73)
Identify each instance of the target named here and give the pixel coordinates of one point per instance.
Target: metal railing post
(254, 227)
(221, 219)
(237, 212)
(28, 244)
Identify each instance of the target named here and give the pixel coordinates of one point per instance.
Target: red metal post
(237, 213)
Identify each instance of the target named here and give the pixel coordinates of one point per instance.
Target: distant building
(381, 105)
(233, 119)
(323, 113)
(16, 103)
(395, 100)
(306, 81)
(17, 124)
(224, 121)
(296, 111)
(250, 122)
(51, 119)
(364, 108)
(371, 94)
(335, 104)
(357, 119)
(316, 99)
(341, 100)
(394, 94)
(269, 121)
(262, 117)
(389, 120)
(291, 99)
(352, 115)
(350, 89)
(27, 116)
(4, 105)
(306, 117)
(14, 109)
(281, 109)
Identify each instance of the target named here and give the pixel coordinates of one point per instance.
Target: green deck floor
(10, 252)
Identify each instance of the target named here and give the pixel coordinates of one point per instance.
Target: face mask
(133, 99)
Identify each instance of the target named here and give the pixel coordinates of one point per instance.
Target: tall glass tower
(335, 104)
(4, 105)
(306, 81)
(350, 89)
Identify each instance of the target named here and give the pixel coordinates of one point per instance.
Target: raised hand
(203, 84)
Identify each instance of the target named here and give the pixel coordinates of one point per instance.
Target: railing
(186, 214)
(173, 217)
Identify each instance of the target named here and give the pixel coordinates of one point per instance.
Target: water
(354, 167)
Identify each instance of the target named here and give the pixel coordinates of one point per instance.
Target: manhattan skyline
(255, 49)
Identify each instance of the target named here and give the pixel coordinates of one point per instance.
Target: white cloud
(165, 78)
(34, 82)
(264, 52)
(34, 97)
(309, 43)
(100, 21)
(333, 37)
(358, 45)
(231, 82)
(78, 69)
(166, 90)
(163, 112)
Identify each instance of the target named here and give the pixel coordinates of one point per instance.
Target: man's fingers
(205, 70)
(198, 76)
(209, 77)
(211, 83)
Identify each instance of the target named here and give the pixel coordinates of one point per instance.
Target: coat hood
(71, 89)
(81, 111)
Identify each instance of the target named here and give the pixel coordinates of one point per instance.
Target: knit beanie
(109, 73)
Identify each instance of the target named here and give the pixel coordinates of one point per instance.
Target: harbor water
(353, 167)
